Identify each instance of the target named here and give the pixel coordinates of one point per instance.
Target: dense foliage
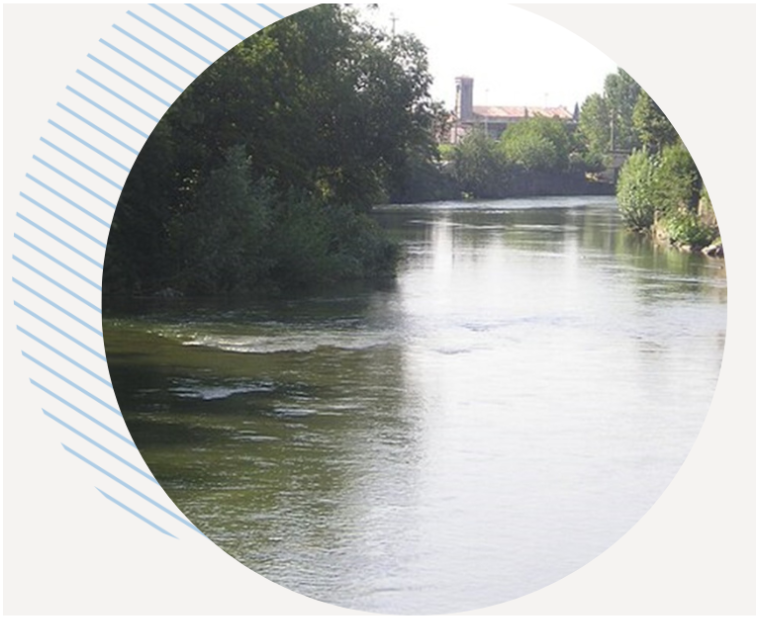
(660, 188)
(636, 193)
(606, 121)
(262, 172)
(535, 156)
(479, 166)
(652, 126)
(538, 144)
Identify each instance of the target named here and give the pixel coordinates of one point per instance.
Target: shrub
(314, 243)
(217, 242)
(480, 168)
(684, 227)
(637, 192)
(678, 181)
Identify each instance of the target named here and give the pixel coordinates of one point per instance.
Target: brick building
(494, 119)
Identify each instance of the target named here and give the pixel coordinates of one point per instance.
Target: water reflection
(490, 423)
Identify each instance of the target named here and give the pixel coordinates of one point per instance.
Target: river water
(485, 425)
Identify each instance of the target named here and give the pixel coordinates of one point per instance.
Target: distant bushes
(535, 156)
(479, 167)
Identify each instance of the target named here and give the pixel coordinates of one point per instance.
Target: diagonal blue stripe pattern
(59, 240)
(108, 112)
(130, 81)
(88, 145)
(72, 181)
(174, 63)
(272, 11)
(62, 220)
(189, 27)
(135, 513)
(216, 21)
(68, 201)
(56, 306)
(132, 489)
(57, 284)
(117, 95)
(83, 413)
(98, 129)
(62, 355)
(143, 67)
(169, 38)
(150, 477)
(69, 382)
(56, 261)
(243, 15)
(59, 330)
(81, 163)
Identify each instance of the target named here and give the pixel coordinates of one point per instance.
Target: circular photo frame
(61, 224)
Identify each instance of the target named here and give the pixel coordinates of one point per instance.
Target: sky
(514, 57)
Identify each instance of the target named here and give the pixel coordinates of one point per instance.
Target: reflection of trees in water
(664, 272)
(281, 469)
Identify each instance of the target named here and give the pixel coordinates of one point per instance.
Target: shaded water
(489, 423)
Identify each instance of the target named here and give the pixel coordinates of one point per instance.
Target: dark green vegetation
(262, 174)
(536, 156)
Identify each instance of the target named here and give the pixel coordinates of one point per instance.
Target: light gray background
(67, 550)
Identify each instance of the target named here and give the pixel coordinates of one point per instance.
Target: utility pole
(394, 19)
(487, 111)
(612, 133)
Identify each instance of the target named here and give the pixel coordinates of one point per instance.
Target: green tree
(637, 192)
(342, 121)
(594, 124)
(480, 167)
(621, 92)
(663, 191)
(219, 239)
(651, 125)
(679, 183)
(320, 105)
(538, 144)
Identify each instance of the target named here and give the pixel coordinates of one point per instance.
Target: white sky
(515, 57)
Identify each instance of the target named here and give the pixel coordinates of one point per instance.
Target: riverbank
(660, 192)
(689, 230)
(345, 444)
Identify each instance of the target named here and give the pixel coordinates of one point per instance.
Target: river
(478, 429)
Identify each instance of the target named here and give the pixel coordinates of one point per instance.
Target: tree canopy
(660, 187)
(320, 107)
(651, 125)
(480, 167)
(606, 120)
(594, 124)
(541, 144)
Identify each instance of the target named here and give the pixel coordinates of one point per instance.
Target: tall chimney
(463, 104)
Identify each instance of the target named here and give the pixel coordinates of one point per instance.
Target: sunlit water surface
(482, 427)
